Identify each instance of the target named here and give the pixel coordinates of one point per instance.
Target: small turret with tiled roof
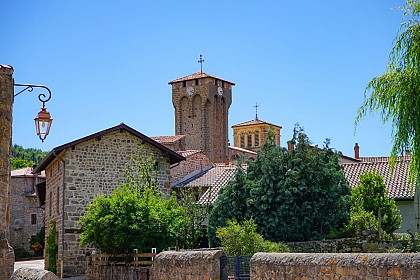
(252, 134)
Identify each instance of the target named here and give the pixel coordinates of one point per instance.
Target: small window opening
(33, 219)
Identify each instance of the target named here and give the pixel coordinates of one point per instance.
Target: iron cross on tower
(201, 63)
(256, 110)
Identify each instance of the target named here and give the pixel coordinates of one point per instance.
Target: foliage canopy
(243, 239)
(22, 157)
(369, 201)
(395, 94)
(294, 195)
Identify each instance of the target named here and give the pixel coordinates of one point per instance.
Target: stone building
(252, 134)
(201, 103)
(26, 215)
(78, 171)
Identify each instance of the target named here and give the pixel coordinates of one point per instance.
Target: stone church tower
(201, 103)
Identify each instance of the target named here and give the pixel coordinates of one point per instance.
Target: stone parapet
(199, 264)
(32, 273)
(335, 266)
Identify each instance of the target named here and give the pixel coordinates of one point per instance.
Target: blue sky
(108, 62)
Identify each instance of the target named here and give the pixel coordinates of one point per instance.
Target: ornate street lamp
(43, 121)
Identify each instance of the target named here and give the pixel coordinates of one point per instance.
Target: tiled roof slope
(198, 75)
(254, 122)
(25, 172)
(167, 139)
(225, 173)
(242, 150)
(188, 153)
(396, 180)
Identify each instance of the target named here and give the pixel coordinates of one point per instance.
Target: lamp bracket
(41, 97)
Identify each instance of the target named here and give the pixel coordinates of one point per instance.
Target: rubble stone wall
(200, 264)
(335, 266)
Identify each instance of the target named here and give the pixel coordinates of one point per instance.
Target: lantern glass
(43, 122)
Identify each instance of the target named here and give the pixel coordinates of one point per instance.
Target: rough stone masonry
(7, 256)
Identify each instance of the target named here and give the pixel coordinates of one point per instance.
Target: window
(242, 140)
(196, 82)
(257, 139)
(249, 142)
(57, 202)
(184, 83)
(50, 204)
(33, 219)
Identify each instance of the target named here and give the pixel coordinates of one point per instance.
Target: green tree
(191, 233)
(371, 196)
(291, 195)
(243, 239)
(129, 219)
(395, 94)
(22, 157)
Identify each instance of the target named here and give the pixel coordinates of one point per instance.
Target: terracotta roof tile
(167, 139)
(254, 122)
(198, 75)
(226, 173)
(189, 153)
(396, 180)
(242, 150)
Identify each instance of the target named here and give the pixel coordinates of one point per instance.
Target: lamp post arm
(41, 97)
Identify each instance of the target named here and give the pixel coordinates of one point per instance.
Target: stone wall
(26, 217)
(200, 265)
(335, 266)
(6, 106)
(345, 245)
(91, 168)
(101, 272)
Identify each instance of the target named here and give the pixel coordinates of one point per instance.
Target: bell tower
(201, 103)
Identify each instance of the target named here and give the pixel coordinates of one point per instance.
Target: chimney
(226, 162)
(290, 145)
(356, 151)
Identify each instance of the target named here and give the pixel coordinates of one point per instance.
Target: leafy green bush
(369, 203)
(51, 248)
(21, 253)
(361, 220)
(129, 219)
(243, 239)
(38, 242)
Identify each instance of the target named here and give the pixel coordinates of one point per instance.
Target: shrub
(369, 203)
(243, 239)
(129, 219)
(51, 248)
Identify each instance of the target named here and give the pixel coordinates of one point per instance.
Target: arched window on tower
(242, 140)
(257, 139)
(249, 142)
